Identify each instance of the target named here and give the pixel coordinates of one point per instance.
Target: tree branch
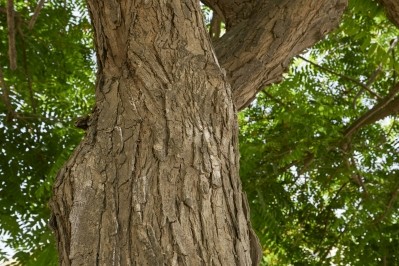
(12, 52)
(28, 77)
(274, 99)
(356, 177)
(394, 196)
(377, 71)
(36, 14)
(364, 86)
(389, 105)
(18, 19)
(6, 96)
(281, 30)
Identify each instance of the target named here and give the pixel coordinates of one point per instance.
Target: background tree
(304, 138)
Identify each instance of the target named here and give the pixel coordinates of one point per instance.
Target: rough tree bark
(155, 181)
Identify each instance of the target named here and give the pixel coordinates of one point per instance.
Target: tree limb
(377, 71)
(389, 105)
(18, 19)
(256, 58)
(392, 200)
(36, 14)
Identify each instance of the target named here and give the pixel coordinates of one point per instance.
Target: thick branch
(279, 30)
(389, 105)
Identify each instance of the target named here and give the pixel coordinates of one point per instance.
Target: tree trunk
(155, 181)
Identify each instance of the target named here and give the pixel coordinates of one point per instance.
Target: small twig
(373, 76)
(307, 162)
(12, 51)
(378, 70)
(394, 60)
(389, 206)
(28, 78)
(391, 127)
(37, 117)
(357, 178)
(274, 98)
(341, 233)
(36, 14)
(364, 86)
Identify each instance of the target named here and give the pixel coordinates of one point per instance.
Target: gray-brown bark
(155, 181)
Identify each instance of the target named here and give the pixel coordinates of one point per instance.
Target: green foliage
(316, 197)
(52, 85)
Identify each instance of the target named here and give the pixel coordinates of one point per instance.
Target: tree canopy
(319, 151)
